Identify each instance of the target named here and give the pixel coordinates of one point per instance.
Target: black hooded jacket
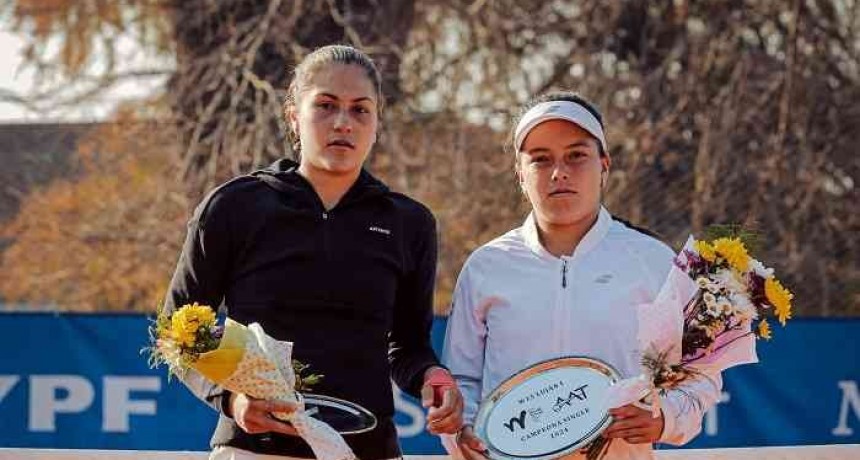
(351, 287)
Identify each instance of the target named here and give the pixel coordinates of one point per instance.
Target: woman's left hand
(634, 425)
(443, 401)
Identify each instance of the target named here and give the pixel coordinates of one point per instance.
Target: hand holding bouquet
(243, 360)
(714, 303)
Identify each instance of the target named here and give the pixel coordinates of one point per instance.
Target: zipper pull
(325, 216)
(564, 273)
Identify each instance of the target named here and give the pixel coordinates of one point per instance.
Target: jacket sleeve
(465, 339)
(410, 352)
(685, 407)
(201, 275)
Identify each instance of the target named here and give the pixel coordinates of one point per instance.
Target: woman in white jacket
(564, 283)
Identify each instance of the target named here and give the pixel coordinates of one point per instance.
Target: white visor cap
(558, 110)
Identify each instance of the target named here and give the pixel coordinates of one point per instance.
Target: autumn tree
(719, 112)
(733, 111)
(106, 237)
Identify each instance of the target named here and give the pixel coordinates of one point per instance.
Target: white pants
(232, 453)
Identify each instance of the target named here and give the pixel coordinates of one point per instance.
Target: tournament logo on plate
(548, 410)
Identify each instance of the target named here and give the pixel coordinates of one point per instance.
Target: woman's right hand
(470, 445)
(254, 416)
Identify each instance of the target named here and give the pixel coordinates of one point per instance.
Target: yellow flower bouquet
(713, 305)
(734, 292)
(242, 359)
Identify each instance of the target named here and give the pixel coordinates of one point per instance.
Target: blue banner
(79, 381)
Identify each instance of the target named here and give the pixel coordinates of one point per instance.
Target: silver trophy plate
(344, 416)
(548, 410)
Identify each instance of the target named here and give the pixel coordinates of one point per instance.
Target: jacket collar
(286, 171)
(589, 241)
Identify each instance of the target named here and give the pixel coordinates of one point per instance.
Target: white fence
(829, 452)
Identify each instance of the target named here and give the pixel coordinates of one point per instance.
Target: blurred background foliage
(718, 112)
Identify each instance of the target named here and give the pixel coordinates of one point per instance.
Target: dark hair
(332, 54)
(568, 96)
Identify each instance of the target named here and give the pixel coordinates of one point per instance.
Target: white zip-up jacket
(516, 304)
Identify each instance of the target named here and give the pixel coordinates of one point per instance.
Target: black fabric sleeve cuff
(221, 402)
(416, 381)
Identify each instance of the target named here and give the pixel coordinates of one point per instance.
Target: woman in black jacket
(324, 255)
